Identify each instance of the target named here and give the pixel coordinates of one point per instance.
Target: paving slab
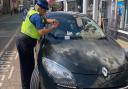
(123, 43)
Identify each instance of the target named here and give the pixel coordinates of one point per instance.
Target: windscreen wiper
(65, 37)
(102, 38)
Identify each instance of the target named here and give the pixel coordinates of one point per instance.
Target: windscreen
(76, 27)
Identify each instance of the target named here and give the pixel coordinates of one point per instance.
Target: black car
(78, 55)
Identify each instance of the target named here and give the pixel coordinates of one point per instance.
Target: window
(89, 29)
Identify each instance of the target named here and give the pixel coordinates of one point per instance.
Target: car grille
(115, 80)
(122, 68)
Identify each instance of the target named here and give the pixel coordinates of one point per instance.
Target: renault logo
(104, 71)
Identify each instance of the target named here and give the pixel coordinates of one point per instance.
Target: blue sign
(120, 8)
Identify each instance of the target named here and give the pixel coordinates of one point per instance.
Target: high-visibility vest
(28, 28)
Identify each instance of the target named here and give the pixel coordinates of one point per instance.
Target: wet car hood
(87, 56)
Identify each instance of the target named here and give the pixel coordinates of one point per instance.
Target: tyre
(34, 83)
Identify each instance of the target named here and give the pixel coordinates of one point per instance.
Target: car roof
(68, 14)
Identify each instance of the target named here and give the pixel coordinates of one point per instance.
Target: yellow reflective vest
(28, 28)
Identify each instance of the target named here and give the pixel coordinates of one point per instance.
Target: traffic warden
(32, 29)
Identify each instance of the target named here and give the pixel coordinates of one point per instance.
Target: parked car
(78, 55)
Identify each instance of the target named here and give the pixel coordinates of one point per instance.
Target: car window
(67, 27)
(79, 26)
(89, 29)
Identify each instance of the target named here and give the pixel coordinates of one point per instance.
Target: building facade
(1, 5)
(126, 15)
(116, 11)
(6, 6)
(72, 5)
(14, 4)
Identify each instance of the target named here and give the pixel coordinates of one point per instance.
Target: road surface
(9, 64)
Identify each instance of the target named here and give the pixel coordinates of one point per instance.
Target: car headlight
(62, 76)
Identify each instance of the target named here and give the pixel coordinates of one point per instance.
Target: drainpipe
(95, 10)
(85, 3)
(125, 14)
(65, 5)
(33, 2)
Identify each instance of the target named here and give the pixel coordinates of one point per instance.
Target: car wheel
(34, 83)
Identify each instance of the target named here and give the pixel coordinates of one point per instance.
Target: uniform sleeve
(37, 21)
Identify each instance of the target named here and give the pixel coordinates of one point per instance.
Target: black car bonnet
(87, 57)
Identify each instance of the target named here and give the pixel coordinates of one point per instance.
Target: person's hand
(55, 24)
(54, 21)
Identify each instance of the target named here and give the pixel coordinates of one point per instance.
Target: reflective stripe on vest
(28, 28)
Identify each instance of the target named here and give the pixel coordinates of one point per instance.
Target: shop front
(126, 16)
(121, 18)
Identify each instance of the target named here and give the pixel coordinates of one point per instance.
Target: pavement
(123, 44)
